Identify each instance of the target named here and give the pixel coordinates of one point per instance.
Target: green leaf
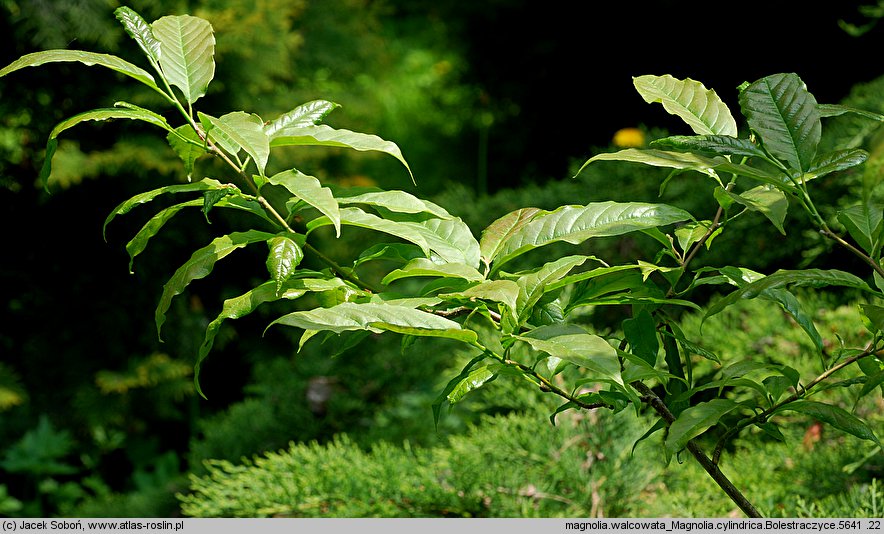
(641, 332)
(711, 145)
(575, 224)
(833, 110)
(311, 191)
(284, 257)
(573, 344)
(532, 286)
(359, 218)
(187, 47)
(503, 291)
(211, 198)
(424, 267)
(784, 114)
(140, 30)
(689, 233)
(452, 385)
(875, 314)
(239, 131)
(205, 184)
(323, 135)
(835, 162)
(497, 233)
(864, 223)
(695, 420)
(87, 58)
(834, 416)
(471, 382)
(188, 145)
(872, 381)
(451, 239)
(396, 201)
(769, 201)
(201, 264)
(699, 107)
(690, 162)
(790, 305)
(369, 316)
(395, 252)
(308, 114)
(782, 278)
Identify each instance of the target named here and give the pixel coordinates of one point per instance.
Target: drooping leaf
(503, 291)
(711, 145)
(498, 232)
(400, 253)
(201, 264)
(835, 162)
(767, 200)
(284, 256)
(793, 307)
(308, 114)
(695, 420)
(141, 32)
(311, 191)
(87, 58)
(475, 379)
(641, 332)
(699, 107)
(872, 381)
(833, 110)
(239, 131)
(211, 198)
(188, 145)
(356, 217)
(205, 184)
(451, 239)
(452, 384)
(781, 110)
(690, 233)
(396, 201)
(575, 224)
(532, 286)
(322, 135)
(589, 275)
(423, 267)
(833, 415)
(187, 49)
(864, 223)
(580, 348)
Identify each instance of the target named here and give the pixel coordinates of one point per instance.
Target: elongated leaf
(785, 115)
(140, 30)
(308, 114)
(641, 332)
(87, 58)
(242, 305)
(782, 278)
(369, 316)
(833, 110)
(498, 232)
(311, 191)
(357, 217)
(452, 384)
(769, 201)
(835, 162)
(424, 267)
(239, 131)
(833, 415)
(188, 145)
(201, 264)
(695, 420)
(187, 49)
(711, 145)
(532, 286)
(699, 107)
(588, 275)
(400, 253)
(688, 161)
(205, 184)
(323, 135)
(471, 382)
(584, 350)
(284, 257)
(575, 224)
(503, 291)
(451, 239)
(793, 307)
(396, 201)
(864, 223)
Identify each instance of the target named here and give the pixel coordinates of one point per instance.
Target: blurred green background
(495, 105)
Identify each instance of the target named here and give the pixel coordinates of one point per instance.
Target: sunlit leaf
(532, 286)
(711, 145)
(187, 49)
(140, 31)
(284, 256)
(423, 267)
(311, 191)
(396, 201)
(695, 420)
(767, 200)
(835, 162)
(572, 344)
(356, 217)
(498, 232)
(239, 131)
(308, 114)
(699, 107)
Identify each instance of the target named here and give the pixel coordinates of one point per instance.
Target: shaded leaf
(695, 420)
(311, 191)
(711, 145)
(424, 267)
(833, 110)
(641, 332)
(187, 49)
(835, 162)
(699, 107)
(188, 145)
(833, 415)
(212, 197)
(308, 114)
(864, 223)
(452, 384)
(769, 201)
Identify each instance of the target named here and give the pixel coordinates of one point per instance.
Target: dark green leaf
(711, 145)
(833, 110)
(871, 383)
(864, 223)
(212, 197)
(835, 162)
(452, 384)
(641, 332)
(767, 200)
(771, 430)
(695, 420)
(833, 415)
(284, 257)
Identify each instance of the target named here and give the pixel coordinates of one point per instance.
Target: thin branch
(546, 385)
(862, 255)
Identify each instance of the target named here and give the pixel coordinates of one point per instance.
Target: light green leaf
(311, 191)
(835, 162)
(453, 384)
(188, 145)
(187, 49)
(503, 291)
(140, 30)
(864, 223)
(711, 145)
(572, 344)
(695, 420)
(471, 382)
(323, 135)
(451, 239)
(239, 131)
(532, 286)
(395, 201)
(205, 184)
(769, 201)
(498, 232)
(833, 415)
(588, 275)
(87, 58)
(201, 264)
(689, 233)
(359, 218)
(699, 107)
(784, 114)
(284, 256)
(308, 114)
(400, 253)
(424, 267)
(575, 224)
